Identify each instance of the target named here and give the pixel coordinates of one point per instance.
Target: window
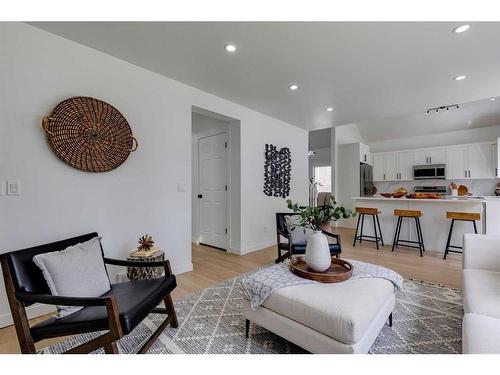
(323, 178)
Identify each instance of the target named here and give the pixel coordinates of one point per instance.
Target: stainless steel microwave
(429, 172)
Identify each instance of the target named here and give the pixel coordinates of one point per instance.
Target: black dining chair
(117, 312)
(285, 243)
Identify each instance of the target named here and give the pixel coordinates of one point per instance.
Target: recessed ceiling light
(230, 48)
(460, 78)
(461, 29)
(329, 109)
(293, 87)
(492, 98)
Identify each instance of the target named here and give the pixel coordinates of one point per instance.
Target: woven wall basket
(89, 134)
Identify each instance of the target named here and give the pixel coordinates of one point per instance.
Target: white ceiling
(471, 115)
(366, 71)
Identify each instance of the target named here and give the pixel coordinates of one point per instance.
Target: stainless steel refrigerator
(366, 180)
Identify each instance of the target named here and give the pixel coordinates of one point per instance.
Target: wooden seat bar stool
(411, 214)
(373, 212)
(459, 216)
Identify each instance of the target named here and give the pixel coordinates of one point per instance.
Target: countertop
(469, 199)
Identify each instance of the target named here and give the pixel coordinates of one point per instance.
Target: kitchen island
(434, 224)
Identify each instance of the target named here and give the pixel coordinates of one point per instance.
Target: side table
(140, 273)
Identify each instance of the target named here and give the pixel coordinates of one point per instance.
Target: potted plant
(318, 255)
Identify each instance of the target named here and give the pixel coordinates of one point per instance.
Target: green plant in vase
(314, 218)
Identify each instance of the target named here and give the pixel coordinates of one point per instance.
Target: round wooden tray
(339, 270)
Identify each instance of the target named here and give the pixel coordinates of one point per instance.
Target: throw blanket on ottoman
(261, 284)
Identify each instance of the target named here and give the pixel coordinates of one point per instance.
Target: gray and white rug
(427, 319)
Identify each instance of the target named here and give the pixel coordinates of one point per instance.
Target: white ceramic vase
(318, 256)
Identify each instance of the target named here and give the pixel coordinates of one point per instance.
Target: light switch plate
(13, 188)
(181, 188)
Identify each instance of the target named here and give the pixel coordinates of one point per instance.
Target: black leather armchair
(118, 311)
(284, 240)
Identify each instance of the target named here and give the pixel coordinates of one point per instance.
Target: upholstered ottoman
(341, 317)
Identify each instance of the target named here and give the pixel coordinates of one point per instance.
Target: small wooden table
(141, 273)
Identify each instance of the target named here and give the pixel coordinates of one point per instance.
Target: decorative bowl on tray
(386, 195)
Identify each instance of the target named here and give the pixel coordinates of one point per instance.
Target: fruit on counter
(463, 190)
(401, 192)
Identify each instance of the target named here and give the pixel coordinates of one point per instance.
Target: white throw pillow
(77, 271)
(299, 235)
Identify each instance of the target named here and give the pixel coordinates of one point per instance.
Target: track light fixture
(443, 108)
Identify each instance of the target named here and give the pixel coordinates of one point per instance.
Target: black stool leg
(475, 228)
(247, 328)
(356, 234)
(375, 230)
(419, 237)
(449, 238)
(380, 231)
(362, 225)
(396, 235)
(421, 234)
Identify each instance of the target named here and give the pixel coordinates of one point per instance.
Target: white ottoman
(341, 317)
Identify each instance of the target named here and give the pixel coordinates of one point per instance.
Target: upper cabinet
(364, 154)
(378, 167)
(429, 156)
(462, 162)
(392, 166)
(456, 162)
(480, 161)
(471, 161)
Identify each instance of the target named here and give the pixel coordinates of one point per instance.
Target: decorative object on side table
(318, 256)
(146, 252)
(89, 134)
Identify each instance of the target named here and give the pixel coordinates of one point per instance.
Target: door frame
(196, 182)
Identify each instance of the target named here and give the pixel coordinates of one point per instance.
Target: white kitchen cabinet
(496, 157)
(429, 156)
(405, 165)
(391, 166)
(364, 154)
(480, 161)
(378, 167)
(456, 163)
(470, 161)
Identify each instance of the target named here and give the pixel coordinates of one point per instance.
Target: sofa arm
(482, 252)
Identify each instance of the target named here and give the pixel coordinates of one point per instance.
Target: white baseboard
(32, 311)
(251, 249)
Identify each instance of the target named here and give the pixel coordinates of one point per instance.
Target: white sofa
(481, 292)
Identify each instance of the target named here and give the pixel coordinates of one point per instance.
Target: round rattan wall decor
(89, 134)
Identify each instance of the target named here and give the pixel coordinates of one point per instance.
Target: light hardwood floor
(211, 266)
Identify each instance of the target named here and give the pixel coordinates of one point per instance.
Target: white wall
(37, 71)
(475, 135)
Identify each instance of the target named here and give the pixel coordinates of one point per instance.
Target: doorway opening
(215, 179)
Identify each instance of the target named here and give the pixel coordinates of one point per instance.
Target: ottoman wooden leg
(390, 320)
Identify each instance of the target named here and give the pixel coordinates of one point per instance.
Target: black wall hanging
(277, 171)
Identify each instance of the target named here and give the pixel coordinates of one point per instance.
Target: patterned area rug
(427, 319)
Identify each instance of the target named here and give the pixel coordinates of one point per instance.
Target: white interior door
(212, 195)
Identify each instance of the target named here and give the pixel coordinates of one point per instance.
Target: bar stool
(415, 214)
(459, 216)
(373, 212)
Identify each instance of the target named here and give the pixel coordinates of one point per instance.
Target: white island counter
(434, 224)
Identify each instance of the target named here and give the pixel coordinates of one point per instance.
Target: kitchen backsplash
(476, 187)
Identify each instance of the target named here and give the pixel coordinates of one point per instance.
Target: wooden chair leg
(111, 348)
(169, 306)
